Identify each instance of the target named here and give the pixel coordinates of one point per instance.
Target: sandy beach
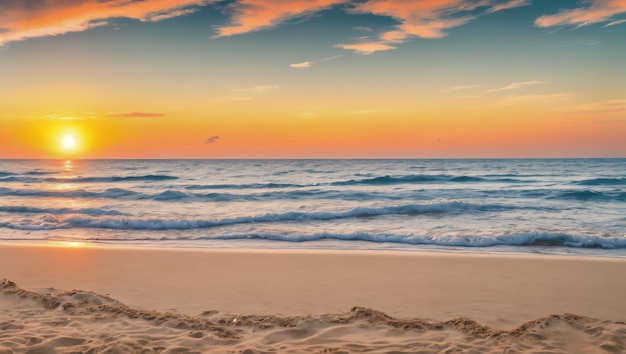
(61, 299)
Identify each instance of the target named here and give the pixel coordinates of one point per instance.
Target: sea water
(516, 205)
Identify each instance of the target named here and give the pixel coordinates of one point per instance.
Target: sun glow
(69, 142)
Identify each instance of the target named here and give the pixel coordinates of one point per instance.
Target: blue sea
(551, 206)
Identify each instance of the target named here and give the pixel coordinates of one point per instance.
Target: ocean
(549, 206)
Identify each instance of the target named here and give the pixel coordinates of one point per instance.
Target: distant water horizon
(547, 205)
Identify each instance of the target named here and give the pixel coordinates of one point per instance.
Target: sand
(108, 300)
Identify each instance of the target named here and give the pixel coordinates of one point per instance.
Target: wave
(112, 179)
(380, 180)
(170, 195)
(129, 223)
(145, 178)
(87, 211)
(77, 193)
(415, 179)
(593, 196)
(517, 239)
(40, 173)
(603, 182)
(246, 186)
(522, 239)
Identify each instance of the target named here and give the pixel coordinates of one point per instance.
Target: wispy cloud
(65, 117)
(577, 42)
(257, 89)
(136, 115)
(598, 11)
(462, 87)
(48, 18)
(517, 85)
(609, 106)
(254, 15)
(363, 28)
(366, 47)
(167, 14)
(212, 140)
(232, 98)
(332, 58)
(508, 5)
(424, 19)
(524, 99)
(308, 64)
(303, 65)
(251, 92)
(613, 23)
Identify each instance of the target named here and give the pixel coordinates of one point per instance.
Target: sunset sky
(312, 78)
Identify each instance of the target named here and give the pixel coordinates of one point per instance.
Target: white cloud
(332, 58)
(517, 85)
(303, 65)
(462, 87)
(613, 23)
(258, 89)
(508, 5)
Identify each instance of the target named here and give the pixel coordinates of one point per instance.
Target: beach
(60, 298)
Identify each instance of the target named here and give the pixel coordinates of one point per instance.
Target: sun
(68, 143)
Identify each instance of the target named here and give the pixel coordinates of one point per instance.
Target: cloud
(577, 42)
(307, 64)
(613, 23)
(63, 117)
(258, 89)
(517, 85)
(524, 99)
(255, 15)
(22, 20)
(508, 5)
(609, 106)
(332, 58)
(212, 139)
(424, 19)
(164, 15)
(303, 65)
(367, 47)
(362, 28)
(597, 11)
(461, 87)
(136, 115)
(232, 99)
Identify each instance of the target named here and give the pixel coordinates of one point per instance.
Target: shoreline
(412, 249)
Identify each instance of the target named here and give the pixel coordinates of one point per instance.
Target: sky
(312, 78)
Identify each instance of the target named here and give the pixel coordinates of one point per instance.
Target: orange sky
(313, 79)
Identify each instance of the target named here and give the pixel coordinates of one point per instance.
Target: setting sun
(68, 142)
